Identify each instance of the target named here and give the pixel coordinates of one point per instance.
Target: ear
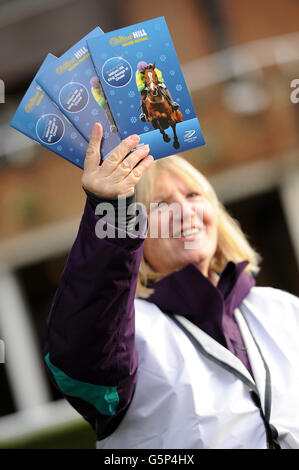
(154, 65)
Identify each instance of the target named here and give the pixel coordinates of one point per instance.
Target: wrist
(120, 207)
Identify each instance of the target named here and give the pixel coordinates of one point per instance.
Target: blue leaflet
(72, 83)
(96, 81)
(115, 56)
(39, 118)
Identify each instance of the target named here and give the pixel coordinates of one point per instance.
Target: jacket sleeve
(159, 75)
(90, 350)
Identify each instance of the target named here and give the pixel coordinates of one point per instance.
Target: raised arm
(90, 333)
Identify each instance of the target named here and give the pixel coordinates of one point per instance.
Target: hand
(118, 174)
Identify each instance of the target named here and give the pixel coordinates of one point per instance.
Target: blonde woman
(164, 341)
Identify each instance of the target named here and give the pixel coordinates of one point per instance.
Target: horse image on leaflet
(157, 104)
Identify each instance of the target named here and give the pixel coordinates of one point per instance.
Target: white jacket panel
(186, 400)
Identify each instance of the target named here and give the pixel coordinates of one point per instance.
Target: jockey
(97, 91)
(141, 85)
(98, 94)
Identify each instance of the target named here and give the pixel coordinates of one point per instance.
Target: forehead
(168, 183)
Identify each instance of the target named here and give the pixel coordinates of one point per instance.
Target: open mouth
(190, 232)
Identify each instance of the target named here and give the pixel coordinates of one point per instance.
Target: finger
(93, 156)
(136, 174)
(119, 153)
(128, 163)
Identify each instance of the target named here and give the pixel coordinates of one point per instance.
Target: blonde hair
(232, 243)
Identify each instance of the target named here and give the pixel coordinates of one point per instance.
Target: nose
(185, 216)
(192, 214)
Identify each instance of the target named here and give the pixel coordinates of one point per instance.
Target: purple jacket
(90, 331)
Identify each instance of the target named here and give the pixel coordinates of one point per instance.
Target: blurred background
(239, 59)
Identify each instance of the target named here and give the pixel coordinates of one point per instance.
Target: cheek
(152, 249)
(156, 247)
(209, 215)
(158, 253)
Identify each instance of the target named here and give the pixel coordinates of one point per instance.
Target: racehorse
(160, 113)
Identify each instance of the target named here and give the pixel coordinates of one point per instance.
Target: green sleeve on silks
(140, 81)
(104, 399)
(159, 75)
(98, 96)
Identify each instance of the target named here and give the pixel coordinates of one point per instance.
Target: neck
(208, 273)
(213, 277)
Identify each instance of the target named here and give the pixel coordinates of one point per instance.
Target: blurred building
(239, 59)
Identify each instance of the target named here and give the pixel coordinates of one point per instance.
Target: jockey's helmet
(141, 64)
(94, 81)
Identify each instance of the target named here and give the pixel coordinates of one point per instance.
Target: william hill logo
(131, 38)
(75, 59)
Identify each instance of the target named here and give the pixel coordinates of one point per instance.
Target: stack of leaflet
(96, 80)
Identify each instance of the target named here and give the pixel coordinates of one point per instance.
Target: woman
(212, 362)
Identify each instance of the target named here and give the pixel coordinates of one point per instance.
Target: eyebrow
(189, 190)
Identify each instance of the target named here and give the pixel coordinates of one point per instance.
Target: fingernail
(144, 147)
(133, 138)
(95, 130)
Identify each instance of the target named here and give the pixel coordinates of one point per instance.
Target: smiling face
(182, 226)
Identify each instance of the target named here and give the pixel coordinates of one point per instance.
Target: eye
(159, 205)
(193, 194)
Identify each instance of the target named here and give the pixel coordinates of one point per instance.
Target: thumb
(93, 156)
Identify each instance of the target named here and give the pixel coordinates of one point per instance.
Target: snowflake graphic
(112, 92)
(125, 132)
(106, 135)
(71, 149)
(162, 57)
(131, 106)
(120, 102)
(73, 135)
(133, 119)
(131, 94)
(87, 124)
(94, 112)
(139, 55)
(76, 118)
(146, 128)
(59, 147)
(81, 145)
(88, 72)
(171, 72)
(167, 44)
(179, 87)
(187, 111)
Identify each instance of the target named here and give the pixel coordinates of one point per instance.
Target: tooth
(190, 231)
